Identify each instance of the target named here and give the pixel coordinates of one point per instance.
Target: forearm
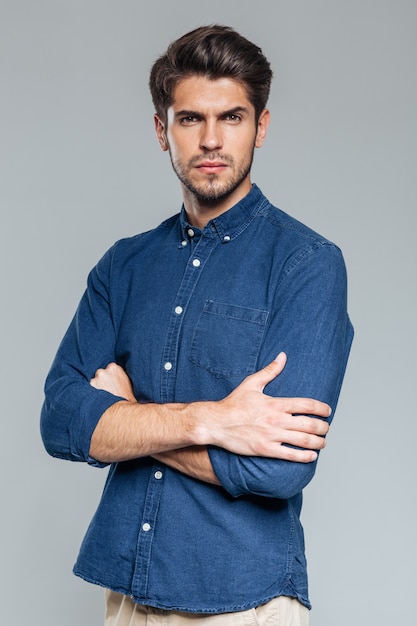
(193, 461)
(129, 430)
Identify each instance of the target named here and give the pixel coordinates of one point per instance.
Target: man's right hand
(249, 422)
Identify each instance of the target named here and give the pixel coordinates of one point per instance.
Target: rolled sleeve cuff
(67, 430)
(270, 478)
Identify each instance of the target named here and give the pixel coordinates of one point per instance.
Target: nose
(210, 136)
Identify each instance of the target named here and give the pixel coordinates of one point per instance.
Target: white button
(196, 263)
(184, 243)
(158, 475)
(146, 527)
(190, 232)
(226, 238)
(178, 310)
(168, 366)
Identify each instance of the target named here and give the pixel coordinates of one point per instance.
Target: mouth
(211, 167)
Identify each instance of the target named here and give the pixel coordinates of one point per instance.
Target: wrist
(205, 419)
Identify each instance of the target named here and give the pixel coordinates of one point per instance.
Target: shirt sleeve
(311, 325)
(72, 407)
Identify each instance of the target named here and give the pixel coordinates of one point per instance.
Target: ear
(160, 132)
(263, 124)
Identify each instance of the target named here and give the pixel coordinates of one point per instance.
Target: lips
(211, 167)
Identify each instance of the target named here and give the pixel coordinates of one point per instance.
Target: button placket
(147, 530)
(202, 247)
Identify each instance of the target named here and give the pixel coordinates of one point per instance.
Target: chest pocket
(227, 339)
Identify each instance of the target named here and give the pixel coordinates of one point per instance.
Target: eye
(189, 119)
(234, 118)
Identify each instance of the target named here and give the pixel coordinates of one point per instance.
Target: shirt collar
(229, 224)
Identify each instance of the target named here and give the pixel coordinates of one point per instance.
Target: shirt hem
(229, 608)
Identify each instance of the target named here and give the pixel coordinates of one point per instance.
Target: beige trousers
(282, 611)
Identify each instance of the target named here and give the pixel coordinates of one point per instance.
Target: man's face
(211, 135)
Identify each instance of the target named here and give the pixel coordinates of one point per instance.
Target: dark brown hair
(215, 52)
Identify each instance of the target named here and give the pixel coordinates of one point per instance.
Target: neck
(200, 212)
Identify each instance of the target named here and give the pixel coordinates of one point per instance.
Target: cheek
(182, 139)
(178, 149)
(242, 143)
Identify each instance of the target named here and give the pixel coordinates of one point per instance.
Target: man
(163, 369)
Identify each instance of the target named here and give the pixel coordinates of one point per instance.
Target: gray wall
(80, 168)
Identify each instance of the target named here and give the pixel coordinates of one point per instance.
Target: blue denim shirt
(189, 314)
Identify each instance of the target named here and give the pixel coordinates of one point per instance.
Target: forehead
(199, 93)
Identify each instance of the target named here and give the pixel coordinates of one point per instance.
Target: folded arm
(310, 323)
(246, 422)
(251, 442)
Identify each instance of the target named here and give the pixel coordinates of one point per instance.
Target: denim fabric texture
(188, 314)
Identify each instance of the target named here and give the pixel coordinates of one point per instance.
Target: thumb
(269, 372)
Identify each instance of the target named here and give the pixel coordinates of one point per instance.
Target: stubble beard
(212, 190)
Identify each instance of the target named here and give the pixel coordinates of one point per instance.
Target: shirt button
(190, 232)
(226, 238)
(184, 243)
(158, 475)
(168, 366)
(146, 527)
(178, 310)
(196, 263)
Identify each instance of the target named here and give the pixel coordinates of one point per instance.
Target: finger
(269, 372)
(288, 453)
(305, 441)
(298, 456)
(305, 406)
(113, 367)
(98, 376)
(301, 424)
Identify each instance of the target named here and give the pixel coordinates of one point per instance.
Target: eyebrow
(234, 111)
